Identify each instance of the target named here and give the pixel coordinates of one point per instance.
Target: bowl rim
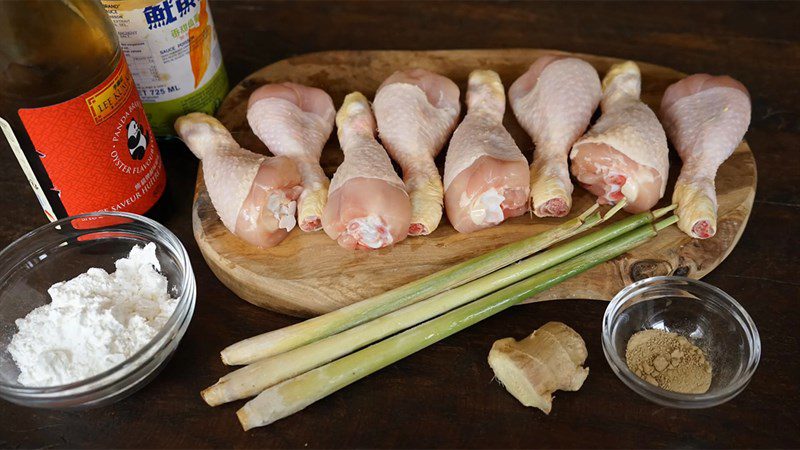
(183, 307)
(663, 396)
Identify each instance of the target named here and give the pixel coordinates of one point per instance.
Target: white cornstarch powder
(94, 322)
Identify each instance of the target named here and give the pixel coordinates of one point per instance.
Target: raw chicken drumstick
(705, 118)
(486, 177)
(554, 102)
(368, 206)
(254, 195)
(295, 121)
(417, 111)
(625, 154)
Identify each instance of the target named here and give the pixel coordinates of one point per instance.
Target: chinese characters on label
(162, 14)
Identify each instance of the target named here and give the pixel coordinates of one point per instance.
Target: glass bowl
(707, 316)
(64, 249)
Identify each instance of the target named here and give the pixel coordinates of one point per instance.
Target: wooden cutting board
(309, 274)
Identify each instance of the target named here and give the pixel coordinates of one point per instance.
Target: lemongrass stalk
(254, 378)
(296, 393)
(285, 339)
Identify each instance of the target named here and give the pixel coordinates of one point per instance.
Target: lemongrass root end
(245, 420)
(268, 407)
(211, 396)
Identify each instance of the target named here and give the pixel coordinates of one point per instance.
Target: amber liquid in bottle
(70, 111)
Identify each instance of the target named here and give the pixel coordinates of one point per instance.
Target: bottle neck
(54, 51)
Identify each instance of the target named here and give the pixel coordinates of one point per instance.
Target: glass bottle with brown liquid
(70, 111)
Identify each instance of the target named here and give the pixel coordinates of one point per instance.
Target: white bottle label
(171, 46)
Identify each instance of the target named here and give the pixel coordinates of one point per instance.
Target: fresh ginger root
(532, 369)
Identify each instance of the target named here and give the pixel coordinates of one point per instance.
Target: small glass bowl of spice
(680, 342)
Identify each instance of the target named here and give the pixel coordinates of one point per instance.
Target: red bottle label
(98, 149)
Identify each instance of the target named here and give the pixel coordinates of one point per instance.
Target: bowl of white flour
(91, 309)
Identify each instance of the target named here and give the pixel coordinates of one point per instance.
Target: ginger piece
(531, 369)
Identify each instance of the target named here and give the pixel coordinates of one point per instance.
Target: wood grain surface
(308, 273)
(444, 396)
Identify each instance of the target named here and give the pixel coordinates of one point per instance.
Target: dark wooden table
(444, 396)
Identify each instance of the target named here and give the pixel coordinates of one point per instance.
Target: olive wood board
(309, 274)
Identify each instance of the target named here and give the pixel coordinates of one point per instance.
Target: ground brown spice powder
(668, 361)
